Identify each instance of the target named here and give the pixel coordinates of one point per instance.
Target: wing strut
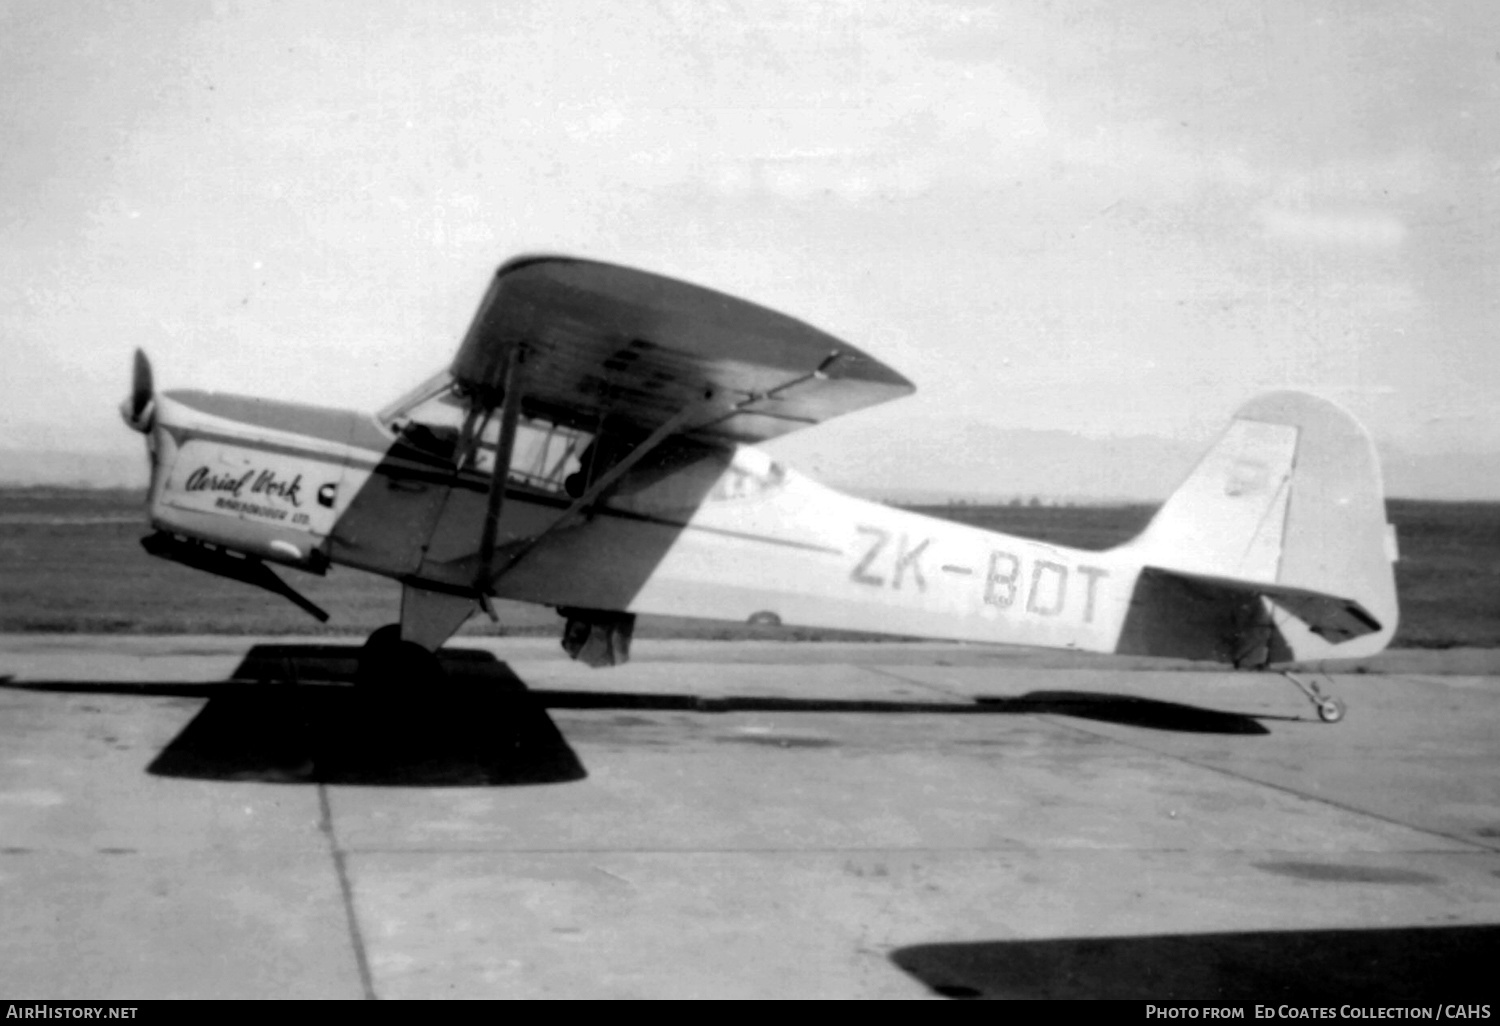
(509, 412)
(608, 478)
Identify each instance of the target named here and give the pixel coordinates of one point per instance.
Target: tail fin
(1287, 510)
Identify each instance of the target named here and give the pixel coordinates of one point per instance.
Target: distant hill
(975, 462)
(968, 461)
(1467, 477)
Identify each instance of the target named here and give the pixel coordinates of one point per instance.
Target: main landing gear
(1330, 709)
(387, 663)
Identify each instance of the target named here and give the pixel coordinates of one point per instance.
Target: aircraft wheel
(376, 653)
(1330, 710)
(386, 663)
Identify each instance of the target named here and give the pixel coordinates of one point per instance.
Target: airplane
(592, 447)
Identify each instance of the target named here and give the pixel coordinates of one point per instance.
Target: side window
(442, 423)
(546, 455)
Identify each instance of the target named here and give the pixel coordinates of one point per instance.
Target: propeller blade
(142, 389)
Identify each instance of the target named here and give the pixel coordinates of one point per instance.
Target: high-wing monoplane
(592, 448)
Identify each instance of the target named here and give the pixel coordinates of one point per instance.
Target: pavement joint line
(928, 685)
(346, 890)
(1066, 722)
(1479, 846)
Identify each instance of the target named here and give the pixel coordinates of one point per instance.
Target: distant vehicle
(591, 449)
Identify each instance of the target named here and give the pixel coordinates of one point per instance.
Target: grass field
(70, 561)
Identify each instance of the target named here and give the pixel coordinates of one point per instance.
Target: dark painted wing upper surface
(602, 341)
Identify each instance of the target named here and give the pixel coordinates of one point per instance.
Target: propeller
(139, 410)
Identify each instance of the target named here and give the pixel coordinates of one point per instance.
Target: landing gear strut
(1330, 709)
(387, 663)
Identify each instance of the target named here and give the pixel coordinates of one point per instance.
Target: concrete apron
(867, 827)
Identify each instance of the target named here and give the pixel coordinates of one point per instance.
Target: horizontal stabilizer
(1330, 617)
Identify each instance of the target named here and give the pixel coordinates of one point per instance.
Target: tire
(1330, 710)
(388, 664)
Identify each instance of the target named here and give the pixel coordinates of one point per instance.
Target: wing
(606, 342)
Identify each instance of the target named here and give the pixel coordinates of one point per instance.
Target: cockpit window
(437, 420)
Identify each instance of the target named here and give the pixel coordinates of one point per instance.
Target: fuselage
(730, 534)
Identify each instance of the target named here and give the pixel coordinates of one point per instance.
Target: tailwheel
(387, 663)
(1330, 709)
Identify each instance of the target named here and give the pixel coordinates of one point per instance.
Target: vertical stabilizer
(1288, 504)
(1229, 517)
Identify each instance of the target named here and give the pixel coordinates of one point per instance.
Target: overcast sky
(1112, 218)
